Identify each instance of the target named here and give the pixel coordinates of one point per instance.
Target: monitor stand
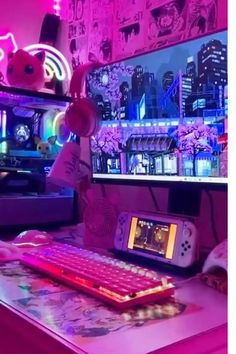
(185, 200)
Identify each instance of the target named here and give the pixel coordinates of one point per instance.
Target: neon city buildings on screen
(163, 114)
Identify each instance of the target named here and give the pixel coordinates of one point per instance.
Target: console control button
(187, 232)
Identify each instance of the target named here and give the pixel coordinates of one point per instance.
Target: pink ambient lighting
(9, 36)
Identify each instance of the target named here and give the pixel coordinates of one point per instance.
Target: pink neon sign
(8, 41)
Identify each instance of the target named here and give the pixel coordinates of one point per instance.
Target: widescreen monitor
(163, 115)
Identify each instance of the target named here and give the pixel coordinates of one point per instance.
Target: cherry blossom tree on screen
(106, 143)
(108, 79)
(195, 138)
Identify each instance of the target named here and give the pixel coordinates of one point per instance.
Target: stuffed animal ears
(10, 55)
(52, 139)
(40, 56)
(37, 139)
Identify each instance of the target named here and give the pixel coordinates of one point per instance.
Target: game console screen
(153, 237)
(163, 115)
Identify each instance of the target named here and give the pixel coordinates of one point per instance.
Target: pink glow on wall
(24, 22)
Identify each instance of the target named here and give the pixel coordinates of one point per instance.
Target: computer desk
(39, 316)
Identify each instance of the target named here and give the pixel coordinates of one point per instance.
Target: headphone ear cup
(82, 118)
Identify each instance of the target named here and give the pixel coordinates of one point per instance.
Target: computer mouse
(8, 252)
(32, 238)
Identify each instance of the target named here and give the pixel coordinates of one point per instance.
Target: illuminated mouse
(32, 238)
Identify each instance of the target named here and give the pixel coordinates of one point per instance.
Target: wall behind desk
(24, 18)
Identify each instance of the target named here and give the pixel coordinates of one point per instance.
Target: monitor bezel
(161, 184)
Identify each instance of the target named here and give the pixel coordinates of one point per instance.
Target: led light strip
(10, 36)
(56, 118)
(55, 60)
(52, 66)
(4, 132)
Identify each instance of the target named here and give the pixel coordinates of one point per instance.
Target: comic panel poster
(78, 31)
(129, 28)
(166, 22)
(100, 30)
(172, 21)
(204, 17)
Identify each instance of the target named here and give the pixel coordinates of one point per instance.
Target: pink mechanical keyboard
(119, 283)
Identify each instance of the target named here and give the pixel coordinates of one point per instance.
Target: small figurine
(44, 147)
(25, 70)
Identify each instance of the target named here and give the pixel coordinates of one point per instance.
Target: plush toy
(44, 147)
(25, 70)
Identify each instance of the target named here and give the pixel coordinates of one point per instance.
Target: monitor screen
(163, 115)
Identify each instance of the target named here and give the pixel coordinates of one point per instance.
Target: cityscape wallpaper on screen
(163, 114)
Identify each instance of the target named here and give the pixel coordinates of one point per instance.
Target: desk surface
(85, 325)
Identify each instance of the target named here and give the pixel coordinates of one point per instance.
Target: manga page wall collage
(108, 30)
(78, 31)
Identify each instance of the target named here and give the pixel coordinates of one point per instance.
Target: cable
(103, 190)
(154, 199)
(179, 283)
(212, 217)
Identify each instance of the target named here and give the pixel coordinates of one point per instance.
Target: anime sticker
(78, 31)
(202, 17)
(172, 21)
(129, 28)
(100, 30)
(166, 22)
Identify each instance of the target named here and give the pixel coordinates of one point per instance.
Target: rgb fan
(21, 133)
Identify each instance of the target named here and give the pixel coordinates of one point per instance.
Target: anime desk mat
(76, 316)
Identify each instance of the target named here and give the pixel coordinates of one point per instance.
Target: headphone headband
(78, 77)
